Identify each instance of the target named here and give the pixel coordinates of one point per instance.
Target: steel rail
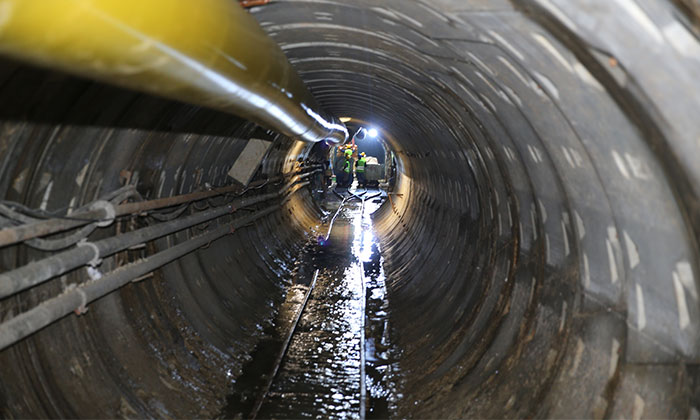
(285, 346)
(283, 351)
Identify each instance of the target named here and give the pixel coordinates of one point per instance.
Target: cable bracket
(96, 260)
(110, 212)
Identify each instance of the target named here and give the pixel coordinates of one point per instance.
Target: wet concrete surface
(320, 375)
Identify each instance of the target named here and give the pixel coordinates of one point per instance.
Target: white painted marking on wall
(47, 194)
(513, 95)
(487, 101)
(614, 357)
(521, 230)
(500, 226)
(632, 251)
(532, 153)
(572, 156)
(563, 316)
(567, 156)
(641, 314)
(71, 205)
(161, 182)
(485, 80)
(639, 168)
(514, 70)
(510, 219)
(433, 12)
(18, 183)
(533, 218)
(611, 262)
(81, 175)
(489, 152)
(408, 19)
(642, 18)
(638, 409)
(506, 44)
(532, 290)
(481, 64)
(543, 211)
(544, 42)
(681, 40)
(620, 164)
(546, 245)
(579, 224)
(685, 274)
(577, 357)
(683, 316)
(558, 13)
(547, 84)
(505, 97)
(509, 153)
(586, 76)
(536, 154)
(566, 239)
(576, 156)
(586, 272)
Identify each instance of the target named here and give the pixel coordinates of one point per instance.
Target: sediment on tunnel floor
(541, 240)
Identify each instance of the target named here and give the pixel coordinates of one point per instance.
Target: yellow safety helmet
(363, 154)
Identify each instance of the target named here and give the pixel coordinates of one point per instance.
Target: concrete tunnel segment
(543, 254)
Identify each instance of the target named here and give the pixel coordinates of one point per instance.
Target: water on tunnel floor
(320, 374)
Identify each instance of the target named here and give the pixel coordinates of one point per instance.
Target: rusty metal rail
(285, 346)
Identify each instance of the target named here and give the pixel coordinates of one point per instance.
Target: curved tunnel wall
(541, 253)
(167, 346)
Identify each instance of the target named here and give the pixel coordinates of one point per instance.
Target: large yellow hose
(204, 52)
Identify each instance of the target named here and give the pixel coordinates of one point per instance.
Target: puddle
(320, 374)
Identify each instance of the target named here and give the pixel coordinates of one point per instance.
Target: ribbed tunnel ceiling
(550, 148)
(541, 260)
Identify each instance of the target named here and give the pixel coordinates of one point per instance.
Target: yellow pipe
(205, 52)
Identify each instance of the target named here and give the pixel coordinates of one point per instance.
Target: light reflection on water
(320, 376)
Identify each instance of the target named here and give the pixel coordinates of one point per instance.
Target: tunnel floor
(320, 373)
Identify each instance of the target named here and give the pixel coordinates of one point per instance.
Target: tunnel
(540, 244)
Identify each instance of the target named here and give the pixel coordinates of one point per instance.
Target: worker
(360, 169)
(347, 169)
